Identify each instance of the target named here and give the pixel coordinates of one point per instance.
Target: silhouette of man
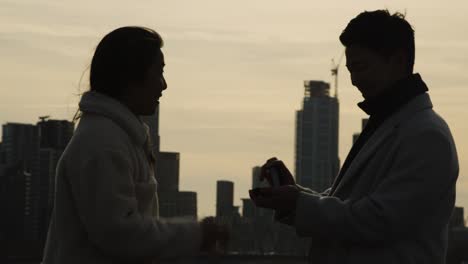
(395, 193)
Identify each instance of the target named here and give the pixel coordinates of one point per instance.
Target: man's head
(379, 50)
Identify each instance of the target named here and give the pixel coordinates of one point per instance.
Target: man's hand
(285, 176)
(282, 198)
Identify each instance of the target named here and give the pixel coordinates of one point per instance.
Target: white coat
(106, 207)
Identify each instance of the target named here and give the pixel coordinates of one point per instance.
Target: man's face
(370, 72)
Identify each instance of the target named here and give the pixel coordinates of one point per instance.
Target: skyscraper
(172, 202)
(256, 183)
(363, 124)
(248, 208)
(224, 198)
(2, 155)
(316, 155)
(167, 171)
(31, 153)
(153, 122)
(54, 136)
(187, 204)
(20, 144)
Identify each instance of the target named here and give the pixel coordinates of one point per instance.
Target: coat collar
(399, 94)
(98, 103)
(417, 104)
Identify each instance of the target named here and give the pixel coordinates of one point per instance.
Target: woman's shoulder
(95, 132)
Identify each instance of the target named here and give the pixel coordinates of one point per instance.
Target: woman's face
(152, 86)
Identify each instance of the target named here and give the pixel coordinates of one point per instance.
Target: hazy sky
(235, 71)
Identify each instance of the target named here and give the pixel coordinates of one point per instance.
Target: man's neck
(387, 86)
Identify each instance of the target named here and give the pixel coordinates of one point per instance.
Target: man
(395, 193)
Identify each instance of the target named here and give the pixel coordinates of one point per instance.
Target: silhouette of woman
(106, 205)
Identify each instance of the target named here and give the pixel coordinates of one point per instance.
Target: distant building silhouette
(178, 204)
(153, 122)
(256, 183)
(458, 218)
(187, 204)
(224, 199)
(20, 144)
(458, 238)
(30, 155)
(167, 171)
(2, 155)
(172, 202)
(248, 208)
(257, 232)
(54, 136)
(317, 162)
(363, 124)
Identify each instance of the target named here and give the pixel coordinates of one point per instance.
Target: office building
(316, 150)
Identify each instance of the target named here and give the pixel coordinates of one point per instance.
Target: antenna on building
(44, 118)
(334, 72)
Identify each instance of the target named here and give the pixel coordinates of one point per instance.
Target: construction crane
(334, 72)
(44, 118)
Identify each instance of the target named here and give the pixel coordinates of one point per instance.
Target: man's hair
(382, 33)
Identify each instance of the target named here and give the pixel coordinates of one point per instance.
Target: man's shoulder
(423, 122)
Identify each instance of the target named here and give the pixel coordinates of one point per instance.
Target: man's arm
(419, 184)
(308, 190)
(288, 217)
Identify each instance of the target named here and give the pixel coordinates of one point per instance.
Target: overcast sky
(235, 71)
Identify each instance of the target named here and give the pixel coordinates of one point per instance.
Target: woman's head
(128, 66)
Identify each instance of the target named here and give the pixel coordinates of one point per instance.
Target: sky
(235, 72)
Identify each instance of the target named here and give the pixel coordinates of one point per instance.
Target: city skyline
(234, 70)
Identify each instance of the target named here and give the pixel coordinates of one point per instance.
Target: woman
(106, 208)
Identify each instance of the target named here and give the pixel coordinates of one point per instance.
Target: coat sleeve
(105, 199)
(308, 190)
(419, 185)
(288, 217)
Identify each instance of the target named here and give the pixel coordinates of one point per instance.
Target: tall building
(187, 204)
(178, 204)
(54, 136)
(167, 175)
(224, 198)
(316, 156)
(458, 217)
(153, 122)
(248, 208)
(172, 202)
(256, 183)
(2, 155)
(20, 144)
(363, 124)
(31, 153)
(167, 171)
